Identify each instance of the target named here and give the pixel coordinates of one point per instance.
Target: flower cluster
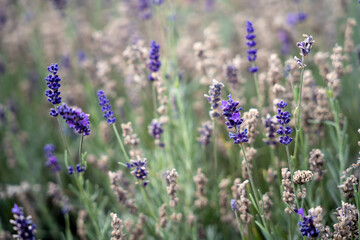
(283, 119)
(140, 171)
(106, 107)
(154, 64)
(24, 227)
(205, 133)
(271, 130)
(306, 45)
(213, 97)
(251, 45)
(79, 169)
(52, 81)
(307, 227)
(52, 161)
(156, 130)
(232, 115)
(75, 118)
(233, 205)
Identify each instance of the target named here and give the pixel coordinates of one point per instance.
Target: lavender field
(179, 119)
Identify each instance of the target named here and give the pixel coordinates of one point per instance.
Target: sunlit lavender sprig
(154, 63)
(140, 171)
(52, 161)
(24, 227)
(307, 227)
(53, 83)
(251, 43)
(213, 97)
(75, 119)
(232, 114)
(283, 119)
(106, 107)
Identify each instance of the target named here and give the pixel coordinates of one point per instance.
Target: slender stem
(261, 210)
(298, 125)
(67, 226)
(90, 208)
(258, 94)
(291, 174)
(239, 226)
(147, 202)
(80, 148)
(121, 144)
(64, 138)
(215, 148)
(154, 99)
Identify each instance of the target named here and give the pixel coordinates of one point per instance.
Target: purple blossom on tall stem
(106, 108)
(24, 227)
(232, 114)
(140, 171)
(53, 83)
(52, 161)
(156, 130)
(75, 119)
(271, 130)
(306, 45)
(284, 119)
(154, 63)
(307, 227)
(251, 43)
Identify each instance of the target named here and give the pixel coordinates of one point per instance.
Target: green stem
(67, 225)
(147, 202)
(260, 209)
(258, 94)
(121, 145)
(90, 208)
(215, 148)
(298, 125)
(64, 138)
(239, 226)
(80, 148)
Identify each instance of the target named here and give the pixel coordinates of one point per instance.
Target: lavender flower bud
(75, 118)
(106, 107)
(306, 45)
(24, 227)
(154, 64)
(251, 43)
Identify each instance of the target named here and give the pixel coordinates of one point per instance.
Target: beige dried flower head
(288, 193)
(200, 181)
(348, 186)
(163, 220)
(347, 227)
(243, 203)
(117, 226)
(316, 162)
(171, 177)
(302, 176)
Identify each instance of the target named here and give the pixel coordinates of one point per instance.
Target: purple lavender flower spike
(154, 64)
(251, 43)
(283, 119)
(24, 227)
(140, 171)
(75, 119)
(156, 130)
(106, 108)
(80, 168)
(232, 114)
(306, 45)
(307, 227)
(53, 83)
(52, 161)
